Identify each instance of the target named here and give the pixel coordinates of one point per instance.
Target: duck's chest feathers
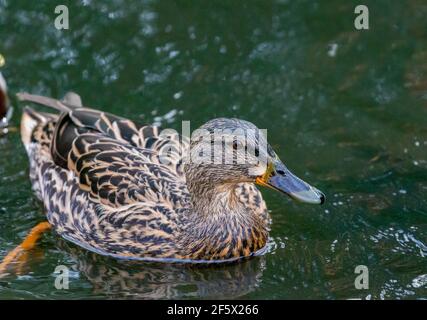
(234, 225)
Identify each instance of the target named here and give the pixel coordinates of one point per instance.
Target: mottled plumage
(106, 186)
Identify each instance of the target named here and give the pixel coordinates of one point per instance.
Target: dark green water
(345, 109)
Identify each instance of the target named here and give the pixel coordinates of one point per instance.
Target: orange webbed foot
(20, 253)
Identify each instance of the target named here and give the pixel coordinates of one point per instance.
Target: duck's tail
(32, 119)
(71, 101)
(29, 121)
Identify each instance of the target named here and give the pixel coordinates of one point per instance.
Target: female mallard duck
(106, 186)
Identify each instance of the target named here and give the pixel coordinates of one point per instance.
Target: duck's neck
(221, 225)
(214, 200)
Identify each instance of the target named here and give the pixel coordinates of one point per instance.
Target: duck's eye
(256, 152)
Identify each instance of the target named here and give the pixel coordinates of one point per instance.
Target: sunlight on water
(344, 109)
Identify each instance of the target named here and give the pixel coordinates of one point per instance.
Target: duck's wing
(77, 120)
(116, 174)
(126, 202)
(104, 186)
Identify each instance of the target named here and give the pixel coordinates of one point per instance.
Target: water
(346, 110)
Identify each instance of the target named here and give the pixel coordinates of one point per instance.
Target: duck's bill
(280, 178)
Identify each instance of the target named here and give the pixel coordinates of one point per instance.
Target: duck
(5, 109)
(139, 192)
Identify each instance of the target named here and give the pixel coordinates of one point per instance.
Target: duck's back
(107, 184)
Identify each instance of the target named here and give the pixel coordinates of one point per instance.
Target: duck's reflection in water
(147, 280)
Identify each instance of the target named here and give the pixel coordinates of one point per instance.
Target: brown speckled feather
(104, 188)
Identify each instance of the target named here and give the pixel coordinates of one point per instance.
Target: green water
(346, 110)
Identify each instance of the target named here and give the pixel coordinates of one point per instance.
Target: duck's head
(229, 151)
(3, 97)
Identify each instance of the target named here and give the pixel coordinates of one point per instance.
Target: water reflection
(124, 279)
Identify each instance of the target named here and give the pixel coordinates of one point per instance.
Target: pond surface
(346, 110)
